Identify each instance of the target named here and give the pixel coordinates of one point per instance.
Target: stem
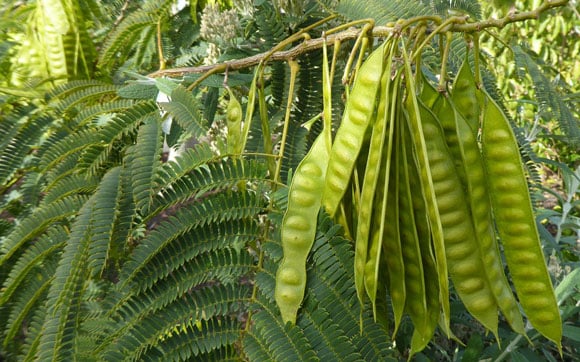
(509, 349)
(121, 15)
(370, 22)
(250, 108)
(419, 37)
(309, 45)
(160, 46)
(509, 18)
(272, 55)
(222, 67)
(255, 286)
(446, 26)
(327, 98)
(419, 19)
(259, 267)
(334, 58)
(359, 40)
(218, 68)
(294, 67)
(366, 40)
(266, 134)
(443, 75)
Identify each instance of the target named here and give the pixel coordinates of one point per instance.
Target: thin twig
(121, 14)
(509, 18)
(378, 31)
(284, 55)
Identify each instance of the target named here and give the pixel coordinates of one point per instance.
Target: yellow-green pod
(429, 95)
(358, 112)
(413, 119)
(366, 261)
(464, 258)
(466, 97)
(515, 222)
(469, 166)
(234, 123)
(299, 228)
(416, 302)
(392, 242)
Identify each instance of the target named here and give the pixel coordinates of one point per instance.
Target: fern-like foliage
(469, 7)
(269, 26)
(382, 11)
(19, 134)
(120, 254)
(186, 110)
(144, 160)
(149, 260)
(84, 254)
(37, 222)
(552, 105)
(138, 28)
(308, 105)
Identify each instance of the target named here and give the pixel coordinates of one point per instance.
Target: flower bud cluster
(219, 27)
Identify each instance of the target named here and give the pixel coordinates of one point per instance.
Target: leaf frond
(25, 301)
(104, 214)
(446, 7)
(186, 110)
(217, 208)
(122, 124)
(70, 185)
(144, 158)
(64, 295)
(122, 39)
(78, 96)
(31, 258)
(188, 341)
(90, 113)
(32, 339)
(551, 103)
(17, 142)
(383, 11)
(68, 146)
(150, 318)
(38, 222)
(211, 177)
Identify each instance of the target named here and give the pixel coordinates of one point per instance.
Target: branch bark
(379, 31)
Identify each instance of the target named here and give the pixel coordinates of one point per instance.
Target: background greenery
(127, 232)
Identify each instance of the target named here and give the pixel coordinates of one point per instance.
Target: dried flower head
(219, 27)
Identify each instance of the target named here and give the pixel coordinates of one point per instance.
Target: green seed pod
(469, 165)
(366, 261)
(466, 97)
(464, 258)
(424, 331)
(422, 154)
(349, 136)
(234, 123)
(299, 228)
(514, 219)
(415, 286)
